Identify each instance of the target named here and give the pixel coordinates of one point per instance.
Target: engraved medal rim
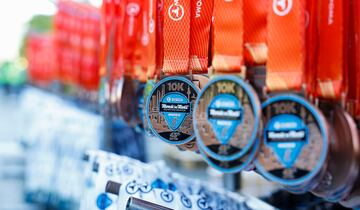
(156, 134)
(321, 121)
(249, 159)
(255, 104)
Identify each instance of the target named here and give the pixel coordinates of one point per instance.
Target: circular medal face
(226, 118)
(295, 141)
(343, 164)
(232, 166)
(169, 110)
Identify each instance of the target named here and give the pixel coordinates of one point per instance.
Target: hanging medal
(170, 104)
(127, 100)
(227, 111)
(201, 18)
(295, 138)
(182, 49)
(331, 87)
(353, 78)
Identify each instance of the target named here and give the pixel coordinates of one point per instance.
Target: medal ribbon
(131, 28)
(228, 31)
(255, 14)
(150, 9)
(311, 45)
(332, 42)
(286, 45)
(201, 17)
(175, 43)
(105, 25)
(354, 60)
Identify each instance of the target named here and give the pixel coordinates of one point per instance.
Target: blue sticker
(286, 134)
(175, 107)
(145, 188)
(167, 196)
(132, 187)
(224, 114)
(203, 204)
(186, 201)
(103, 201)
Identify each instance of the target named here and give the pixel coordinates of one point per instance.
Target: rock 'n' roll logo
(282, 7)
(132, 9)
(176, 11)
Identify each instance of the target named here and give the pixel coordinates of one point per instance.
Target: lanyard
(332, 42)
(149, 24)
(131, 28)
(354, 61)
(228, 36)
(311, 45)
(286, 42)
(255, 14)
(201, 16)
(175, 42)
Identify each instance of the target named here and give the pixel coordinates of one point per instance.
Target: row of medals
(235, 127)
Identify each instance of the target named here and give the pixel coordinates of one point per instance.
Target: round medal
(226, 118)
(169, 110)
(343, 166)
(295, 141)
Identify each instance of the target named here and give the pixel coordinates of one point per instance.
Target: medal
(227, 110)
(170, 104)
(169, 109)
(352, 199)
(227, 118)
(342, 168)
(295, 139)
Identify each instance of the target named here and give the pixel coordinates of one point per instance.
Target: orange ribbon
(175, 42)
(255, 13)
(201, 17)
(228, 31)
(286, 43)
(332, 42)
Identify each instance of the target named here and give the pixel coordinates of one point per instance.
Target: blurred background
(45, 126)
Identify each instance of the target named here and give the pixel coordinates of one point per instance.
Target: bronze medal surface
(226, 118)
(190, 146)
(233, 166)
(343, 163)
(199, 81)
(169, 110)
(295, 141)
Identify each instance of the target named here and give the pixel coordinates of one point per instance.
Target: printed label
(286, 135)
(224, 115)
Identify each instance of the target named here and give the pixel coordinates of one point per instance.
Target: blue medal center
(224, 113)
(286, 134)
(175, 107)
